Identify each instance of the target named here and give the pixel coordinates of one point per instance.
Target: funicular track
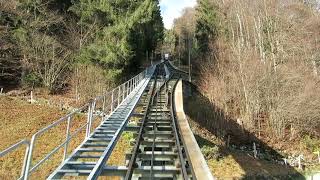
(159, 150)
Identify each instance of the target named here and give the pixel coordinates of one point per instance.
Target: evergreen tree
(205, 25)
(114, 35)
(127, 29)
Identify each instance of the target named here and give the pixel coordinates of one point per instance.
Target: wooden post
(31, 97)
(255, 150)
(285, 161)
(228, 141)
(61, 105)
(299, 161)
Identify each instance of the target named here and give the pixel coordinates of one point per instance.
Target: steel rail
(179, 129)
(154, 139)
(136, 147)
(95, 173)
(181, 158)
(175, 127)
(176, 69)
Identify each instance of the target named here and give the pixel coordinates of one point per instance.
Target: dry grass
(234, 164)
(123, 146)
(21, 120)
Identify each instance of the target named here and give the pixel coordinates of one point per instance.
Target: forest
(76, 44)
(258, 62)
(255, 65)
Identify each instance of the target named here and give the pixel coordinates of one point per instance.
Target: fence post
(300, 158)
(255, 152)
(67, 140)
(31, 97)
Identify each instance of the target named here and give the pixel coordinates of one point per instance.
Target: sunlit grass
(20, 120)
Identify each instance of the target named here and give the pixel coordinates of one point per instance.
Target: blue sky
(171, 9)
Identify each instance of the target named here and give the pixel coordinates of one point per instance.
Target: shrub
(211, 152)
(31, 80)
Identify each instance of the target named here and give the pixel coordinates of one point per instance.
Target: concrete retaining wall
(199, 164)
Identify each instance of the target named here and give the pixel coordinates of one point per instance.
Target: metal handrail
(15, 147)
(118, 95)
(176, 68)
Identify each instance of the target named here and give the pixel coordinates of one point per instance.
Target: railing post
(103, 106)
(92, 111)
(90, 114)
(134, 82)
(127, 88)
(129, 84)
(123, 91)
(112, 94)
(118, 96)
(67, 140)
(25, 160)
(104, 102)
(138, 80)
(29, 158)
(88, 118)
